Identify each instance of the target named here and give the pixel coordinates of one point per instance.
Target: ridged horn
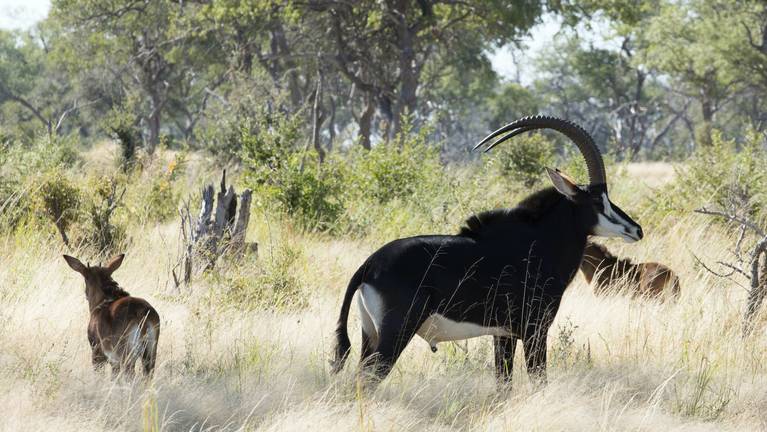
(578, 135)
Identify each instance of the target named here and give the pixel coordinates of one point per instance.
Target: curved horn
(581, 138)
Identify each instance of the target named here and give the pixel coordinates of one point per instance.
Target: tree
(604, 88)
(388, 49)
(29, 80)
(139, 44)
(680, 43)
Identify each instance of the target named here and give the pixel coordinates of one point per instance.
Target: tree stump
(212, 236)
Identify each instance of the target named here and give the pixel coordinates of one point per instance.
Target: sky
(22, 14)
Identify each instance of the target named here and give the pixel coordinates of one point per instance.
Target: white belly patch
(437, 328)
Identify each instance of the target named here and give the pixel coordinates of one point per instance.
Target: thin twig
(717, 274)
(732, 218)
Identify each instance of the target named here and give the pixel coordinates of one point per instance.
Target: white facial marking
(610, 224)
(437, 328)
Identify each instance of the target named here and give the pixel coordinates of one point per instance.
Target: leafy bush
(120, 123)
(727, 175)
(59, 200)
(525, 160)
(102, 233)
(162, 199)
(400, 169)
(292, 179)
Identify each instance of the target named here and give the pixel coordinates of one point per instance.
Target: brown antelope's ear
(563, 183)
(75, 264)
(114, 263)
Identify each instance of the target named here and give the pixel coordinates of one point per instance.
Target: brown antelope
(645, 279)
(122, 328)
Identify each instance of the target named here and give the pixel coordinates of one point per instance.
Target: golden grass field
(615, 363)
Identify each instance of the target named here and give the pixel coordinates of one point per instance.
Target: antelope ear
(75, 264)
(563, 183)
(114, 263)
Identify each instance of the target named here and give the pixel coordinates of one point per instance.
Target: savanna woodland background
(352, 124)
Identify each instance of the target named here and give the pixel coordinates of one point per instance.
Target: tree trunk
(406, 100)
(205, 239)
(280, 45)
(317, 120)
(62, 232)
(758, 287)
(153, 121)
(707, 112)
(332, 124)
(366, 122)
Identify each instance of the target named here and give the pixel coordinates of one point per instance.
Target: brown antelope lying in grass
(644, 279)
(122, 328)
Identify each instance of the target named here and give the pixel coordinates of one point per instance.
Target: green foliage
(291, 178)
(727, 175)
(106, 195)
(511, 102)
(59, 201)
(37, 171)
(120, 123)
(162, 199)
(267, 145)
(312, 196)
(44, 154)
(394, 171)
(524, 160)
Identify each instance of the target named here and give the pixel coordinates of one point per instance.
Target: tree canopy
(657, 79)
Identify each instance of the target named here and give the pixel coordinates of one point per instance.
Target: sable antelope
(645, 279)
(122, 328)
(503, 274)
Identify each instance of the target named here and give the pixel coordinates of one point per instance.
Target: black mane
(529, 210)
(112, 290)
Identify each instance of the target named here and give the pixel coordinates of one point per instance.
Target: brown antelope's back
(122, 328)
(644, 279)
(658, 280)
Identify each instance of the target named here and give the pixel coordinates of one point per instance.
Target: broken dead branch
(213, 235)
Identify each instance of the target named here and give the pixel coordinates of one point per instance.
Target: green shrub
(154, 191)
(12, 207)
(59, 201)
(726, 175)
(401, 169)
(524, 160)
(120, 124)
(292, 179)
(102, 232)
(43, 155)
(162, 199)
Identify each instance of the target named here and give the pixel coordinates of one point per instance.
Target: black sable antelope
(503, 275)
(122, 328)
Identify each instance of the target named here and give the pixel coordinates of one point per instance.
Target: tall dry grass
(615, 363)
